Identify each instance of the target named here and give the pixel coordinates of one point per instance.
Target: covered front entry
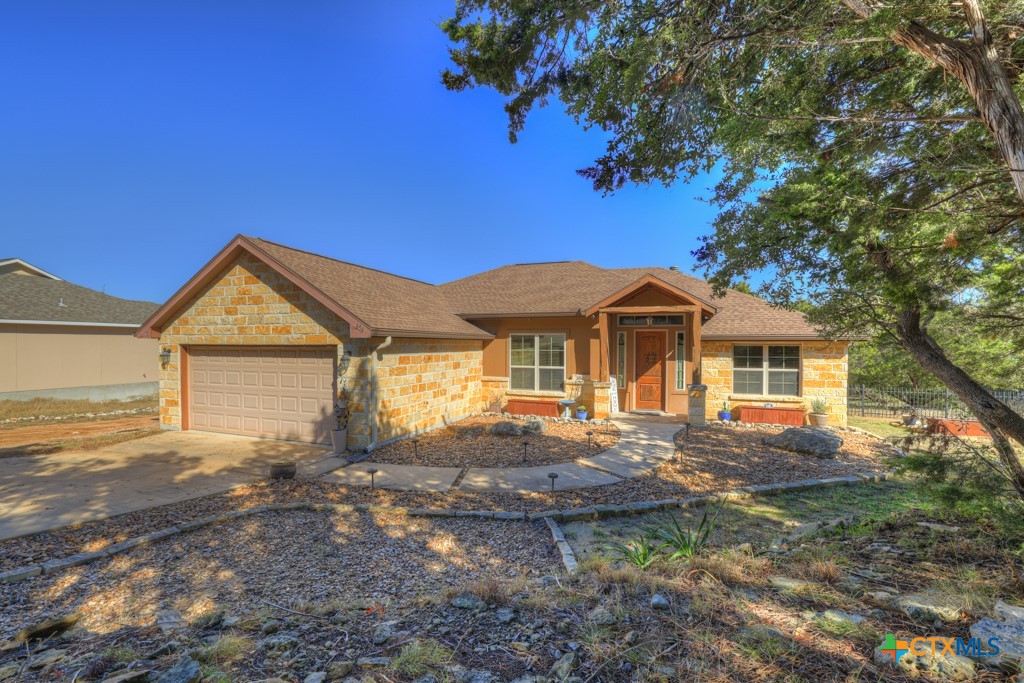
(276, 392)
(650, 370)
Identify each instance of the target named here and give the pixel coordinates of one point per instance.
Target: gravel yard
(291, 559)
(469, 443)
(714, 459)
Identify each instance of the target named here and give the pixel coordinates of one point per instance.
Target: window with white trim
(537, 362)
(622, 360)
(680, 361)
(766, 370)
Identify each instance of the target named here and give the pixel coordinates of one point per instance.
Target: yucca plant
(640, 552)
(684, 542)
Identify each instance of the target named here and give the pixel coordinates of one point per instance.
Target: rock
(1007, 625)
(816, 441)
(211, 619)
(561, 669)
(506, 428)
(505, 615)
(316, 677)
(535, 426)
(841, 617)
(280, 642)
(948, 667)
(187, 670)
(787, 584)
(129, 677)
(228, 622)
(272, 626)
(165, 649)
(47, 657)
(383, 633)
(941, 528)
(338, 670)
(170, 620)
(45, 629)
(468, 600)
(9, 671)
(601, 616)
(659, 601)
(373, 662)
(925, 608)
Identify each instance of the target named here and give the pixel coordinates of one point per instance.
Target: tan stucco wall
(422, 383)
(34, 357)
(823, 374)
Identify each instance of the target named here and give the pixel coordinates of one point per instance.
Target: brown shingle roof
(41, 299)
(388, 303)
(567, 287)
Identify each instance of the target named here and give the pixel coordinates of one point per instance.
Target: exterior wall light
(165, 356)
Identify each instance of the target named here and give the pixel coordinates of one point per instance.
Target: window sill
(766, 399)
(535, 394)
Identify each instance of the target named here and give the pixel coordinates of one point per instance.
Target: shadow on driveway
(39, 493)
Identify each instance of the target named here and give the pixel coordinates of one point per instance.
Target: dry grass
(55, 407)
(88, 443)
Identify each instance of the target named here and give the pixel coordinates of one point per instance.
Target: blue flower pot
(724, 416)
(581, 415)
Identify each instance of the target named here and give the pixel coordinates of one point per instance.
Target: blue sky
(136, 138)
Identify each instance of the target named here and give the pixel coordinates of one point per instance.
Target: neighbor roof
(42, 300)
(25, 265)
(568, 287)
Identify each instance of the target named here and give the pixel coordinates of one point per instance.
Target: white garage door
(277, 393)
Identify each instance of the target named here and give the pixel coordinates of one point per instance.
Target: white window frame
(766, 370)
(537, 367)
(680, 361)
(620, 351)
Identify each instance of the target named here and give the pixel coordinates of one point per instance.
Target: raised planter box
(518, 406)
(938, 425)
(772, 416)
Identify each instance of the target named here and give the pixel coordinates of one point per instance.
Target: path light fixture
(416, 449)
(526, 444)
(552, 476)
(372, 471)
(589, 437)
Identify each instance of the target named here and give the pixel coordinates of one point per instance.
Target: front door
(650, 370)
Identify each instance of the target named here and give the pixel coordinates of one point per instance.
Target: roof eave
(432, 334)
(73, 323)
(772, 337)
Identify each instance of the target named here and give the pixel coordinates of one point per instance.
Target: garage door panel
(274, 393)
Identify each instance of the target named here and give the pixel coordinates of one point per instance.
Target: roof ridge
(337, 260)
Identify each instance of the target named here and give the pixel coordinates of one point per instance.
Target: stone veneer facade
(823, 374)
(422, 382)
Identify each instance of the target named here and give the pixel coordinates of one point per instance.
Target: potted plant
(339, 435)
(581, 412)
(725, 414)
(819, 413)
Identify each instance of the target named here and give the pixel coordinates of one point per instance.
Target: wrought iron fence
(894, 402)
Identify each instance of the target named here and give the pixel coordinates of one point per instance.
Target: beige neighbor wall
(422, 383)
(36, 357)
(823, 374)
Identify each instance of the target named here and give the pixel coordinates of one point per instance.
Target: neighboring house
(261, 339)
(64, 341)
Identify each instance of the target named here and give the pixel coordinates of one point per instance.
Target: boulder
(467, 601)
(923, 607)
(506, 428)
(535, 426)
(1006, 624)
(187, 670)
(821, 443)
(601, 617)
(45, 629)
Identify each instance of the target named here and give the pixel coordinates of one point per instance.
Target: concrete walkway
(38, 493)
(644, 444)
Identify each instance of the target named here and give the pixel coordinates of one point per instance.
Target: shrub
(685, 543)
(640, 552)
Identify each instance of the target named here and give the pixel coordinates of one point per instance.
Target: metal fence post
(863, 412)
(947, 404)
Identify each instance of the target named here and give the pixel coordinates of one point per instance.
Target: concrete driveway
(38, 493)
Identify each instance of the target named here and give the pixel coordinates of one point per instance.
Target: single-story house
(263, 338)
(61, 340)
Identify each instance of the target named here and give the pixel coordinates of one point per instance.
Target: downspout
(374, 394)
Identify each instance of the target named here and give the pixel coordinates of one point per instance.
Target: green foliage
(819, 406)
(684, 542)
(641, 552)
(419, 658)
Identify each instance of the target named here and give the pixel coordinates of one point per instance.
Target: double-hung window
(538, 362)
(680, 361)
(760, 370)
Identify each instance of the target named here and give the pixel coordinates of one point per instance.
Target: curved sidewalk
(644, 444)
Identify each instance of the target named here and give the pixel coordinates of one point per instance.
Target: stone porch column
(698, 397)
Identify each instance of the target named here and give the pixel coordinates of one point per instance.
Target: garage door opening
(273, 392)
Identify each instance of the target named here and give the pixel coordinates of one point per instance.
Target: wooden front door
(650, 370)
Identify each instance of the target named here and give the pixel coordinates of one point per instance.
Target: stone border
(549, 517)
(564, 549)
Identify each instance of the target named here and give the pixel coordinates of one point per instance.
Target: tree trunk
(998, 418)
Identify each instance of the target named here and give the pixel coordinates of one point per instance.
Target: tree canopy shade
(873, 154)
